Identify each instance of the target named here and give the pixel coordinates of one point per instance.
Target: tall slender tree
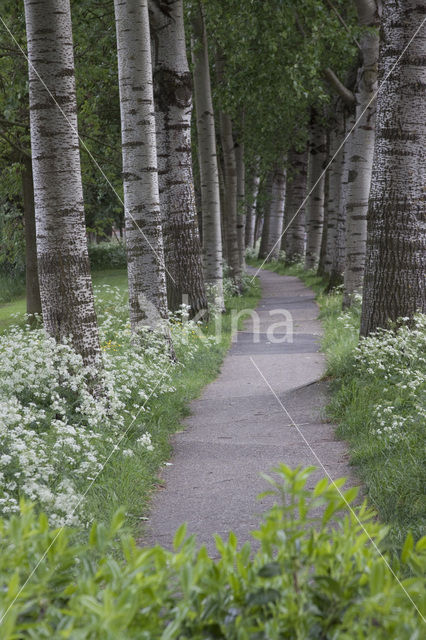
(63, 263)
(265, 226)
(276, 212)
(144, 240)
(241, 203)
(230, 196)
(251, 207)
(315, 203)
(335, 262)
(362, 148)
(394, 283)
(209, 171)
(293, 242)
(173, 108)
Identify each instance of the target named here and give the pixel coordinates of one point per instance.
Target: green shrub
(107, 255)
(316, 574)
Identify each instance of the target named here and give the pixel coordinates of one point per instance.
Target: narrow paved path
(238, 427)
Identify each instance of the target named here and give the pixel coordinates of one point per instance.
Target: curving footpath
(245, 423)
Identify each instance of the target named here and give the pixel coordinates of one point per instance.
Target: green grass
(393, 476)
(14, 312)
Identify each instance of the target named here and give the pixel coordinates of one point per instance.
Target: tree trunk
(276, 213)
(251, 209)
(63, 262)
(331, 199)
(31, 271)
(144, 239)
(325, 238)
(258, 224)
(335, 262)
(294, 238)
(395, 270)
(241, 198)
(223, 219)
(361, 161)
(209, 173)
(315, 203)
(173, 105)
(264, 240)
(231, 187)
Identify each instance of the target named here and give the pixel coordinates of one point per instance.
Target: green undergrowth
(129, 481)
(81, 457)
(378, 401)
(305, 579)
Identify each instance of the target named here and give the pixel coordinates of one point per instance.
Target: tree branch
(345, 93)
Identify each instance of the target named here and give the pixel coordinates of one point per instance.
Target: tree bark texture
(173, 108)
(144, 238)
(264, 239)
(335, 245)
(276, 212)
(251, 209)
(315, 203)
(294, 238)
(63, 263)
(241, 203)
(209, 172)
(231, 189)
(394, 282)
(31, 270)
(361, 157)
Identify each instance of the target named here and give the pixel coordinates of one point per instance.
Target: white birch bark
(241, 198)
(333, 266)
(251, 209)
(144, 240)
(395, 270)
(265, 226)
(173, 108)
(315, 203)
(276, 213)
(209, 173)
(63, 263)
(362, 149)
(331, 203)
(338, 265)
(231, 189)
(294, 238)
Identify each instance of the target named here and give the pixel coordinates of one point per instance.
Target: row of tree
(282, 149)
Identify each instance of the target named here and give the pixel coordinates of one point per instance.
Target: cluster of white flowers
(54, 434)
(398, 358)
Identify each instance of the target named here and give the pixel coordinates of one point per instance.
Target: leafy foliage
(315, 574)
(107, 255)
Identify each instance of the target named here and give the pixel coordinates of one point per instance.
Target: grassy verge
(377, 401)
